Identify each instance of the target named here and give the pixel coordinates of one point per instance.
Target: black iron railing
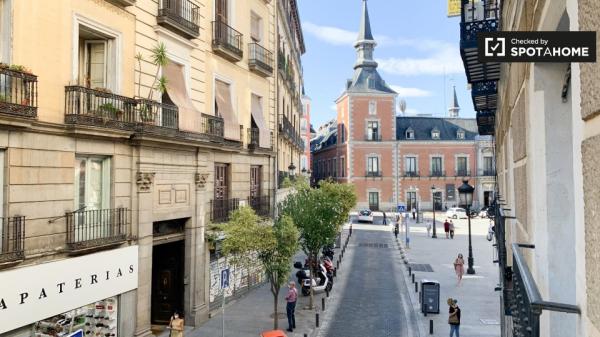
(373, 174)
(98, 107)
(261, 205)
(183, 15)
(220, 209)
(212, 125)
(463, 173)
(260, 57)
(281, 177)
(12, 239)
(287, 129)
(487, 173)
(437, 173)
(18, 93)
(157, 114)
(228, 38)
(97, 228)
(413, 174)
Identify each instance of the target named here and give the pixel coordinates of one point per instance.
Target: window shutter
(96, 63)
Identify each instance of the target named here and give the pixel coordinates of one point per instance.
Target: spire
(455, 108)
(364, 32)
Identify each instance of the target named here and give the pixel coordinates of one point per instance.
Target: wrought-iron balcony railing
(227, 41)
(220, 209)
(260, 59)
(261, 205)
(412, 174)
(18, 93)
(90, 229)
(154, 113)
(373, 137)
(12, 239)
(212, 125)
(181, 16)
(437, 173)
(373, 174)
(487, 172)
(253, 138)
(99, 108)
(463, 173)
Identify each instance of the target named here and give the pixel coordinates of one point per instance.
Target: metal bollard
(416, 286)
(327, 292)
(335, 273)
(413, 278)
(425, 313)
(317, 319)
(323, 303)
(431, 327)
(409, 270)
(305, 335)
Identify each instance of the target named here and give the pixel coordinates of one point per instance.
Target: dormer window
(460, 134)
(410, 133)
(435, 134)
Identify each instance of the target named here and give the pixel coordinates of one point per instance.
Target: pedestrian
(396, 230)
(291, 298)
(453, 317)
(428, 229)
(176, 325)
(447, 228)
(384, 219)
(451, 227)
(414, 213)
(459, 267)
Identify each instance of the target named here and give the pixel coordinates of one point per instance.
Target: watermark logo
(560, 47)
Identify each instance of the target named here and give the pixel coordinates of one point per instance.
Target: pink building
(395, 160)
(305, 162)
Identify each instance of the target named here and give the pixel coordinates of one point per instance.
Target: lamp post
(465, 194)
(434, 236)
(292, 169)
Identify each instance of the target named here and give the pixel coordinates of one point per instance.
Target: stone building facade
(100, 168)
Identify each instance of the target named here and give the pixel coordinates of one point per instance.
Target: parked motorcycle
(319, 284)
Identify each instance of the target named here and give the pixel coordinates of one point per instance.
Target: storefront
(85, 296)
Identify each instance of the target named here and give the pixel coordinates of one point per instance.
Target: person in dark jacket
(454, 317)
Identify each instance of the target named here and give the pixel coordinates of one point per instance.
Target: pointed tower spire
(364, 32)
(455, 108)
(365, 44)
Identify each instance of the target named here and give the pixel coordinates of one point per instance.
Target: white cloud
(332, 35)
(446, 59)
(410, 92)
(333, 107)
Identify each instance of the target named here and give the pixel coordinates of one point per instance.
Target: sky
(416, 45)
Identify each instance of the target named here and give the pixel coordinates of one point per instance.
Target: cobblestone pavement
(370, 297)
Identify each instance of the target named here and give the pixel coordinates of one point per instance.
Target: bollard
(409, 270)
(327, 292)
(305, 335)
(416, 286)
(431, 327)
(335, 272)
(338, 264)
(413, 278)
(317, 319)
(425, 313)
(323, 303)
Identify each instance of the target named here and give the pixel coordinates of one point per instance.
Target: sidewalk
(479, 303)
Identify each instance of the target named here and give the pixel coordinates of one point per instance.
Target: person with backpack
(454, 317)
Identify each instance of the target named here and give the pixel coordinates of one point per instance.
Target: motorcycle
(319, 284)
(328, 251)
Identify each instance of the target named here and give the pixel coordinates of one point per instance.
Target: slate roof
(368, 80)
(364, 32)
(326, 136)
(448, 127)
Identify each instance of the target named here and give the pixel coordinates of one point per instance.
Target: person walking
(291, 298)
(428, 229)
(459, 267)
(396, 230)
(414, 213)
(447, 228)
(384, 218)
(454, 317)
(451, 227)
(176, 325)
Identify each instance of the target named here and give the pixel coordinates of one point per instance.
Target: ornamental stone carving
(144, 181)
(201, 179)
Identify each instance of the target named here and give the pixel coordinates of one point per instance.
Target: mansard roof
(448, 127)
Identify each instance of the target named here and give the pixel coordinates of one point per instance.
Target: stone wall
(589, 20)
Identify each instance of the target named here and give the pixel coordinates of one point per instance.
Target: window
(372, 166)
(488, 165)
(410, 134)
(343, 166)
(255, 181)
(372, 107)
(342, 133)
(92, 183)
(374, 201)
(461, 166)
(435, 134)
(5, 34)
(411, 200)
(373, 131)
(97, 59)
(255, 27)
(222, 10)
(436, 166)
(303, 163)
(221, 184)
(460, 134)
(335, 168)
(410, 166)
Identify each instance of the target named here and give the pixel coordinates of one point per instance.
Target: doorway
(167, 280)
(437, 200)
(487, 198)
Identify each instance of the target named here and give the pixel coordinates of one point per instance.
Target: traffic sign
(225, 278)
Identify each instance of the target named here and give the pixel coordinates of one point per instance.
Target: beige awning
(225, 109)
(188, 114)
(264, 139)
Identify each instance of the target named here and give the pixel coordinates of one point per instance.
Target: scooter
(321, 283)
(328, 251)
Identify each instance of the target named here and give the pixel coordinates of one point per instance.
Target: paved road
(370, 300)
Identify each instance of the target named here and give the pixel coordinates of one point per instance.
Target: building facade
(545, 119)
(392, 159)
(305, 158)
(106, 175)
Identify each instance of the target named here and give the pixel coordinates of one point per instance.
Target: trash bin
(430, 296)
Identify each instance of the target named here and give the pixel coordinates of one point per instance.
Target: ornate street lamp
(434, 236)
(292, 169)
(465, 194)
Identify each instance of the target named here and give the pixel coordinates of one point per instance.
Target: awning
(225, 109)
(264, 139)
(188, 114)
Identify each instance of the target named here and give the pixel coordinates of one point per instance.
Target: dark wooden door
(167, 281)
(374, 201)
(221, 181)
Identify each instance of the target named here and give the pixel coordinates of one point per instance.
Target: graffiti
(240, 279)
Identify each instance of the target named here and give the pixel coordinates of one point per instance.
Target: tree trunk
(275, 313)
(312, 268)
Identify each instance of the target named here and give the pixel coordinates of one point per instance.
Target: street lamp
(434, 236)
(465, 194)
(291, 169)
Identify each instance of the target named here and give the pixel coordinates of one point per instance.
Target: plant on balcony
(160, 59)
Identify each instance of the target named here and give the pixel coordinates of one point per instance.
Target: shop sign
(33, 293)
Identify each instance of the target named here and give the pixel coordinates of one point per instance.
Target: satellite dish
(402, 106)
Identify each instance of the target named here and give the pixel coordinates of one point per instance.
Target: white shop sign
(33, 293)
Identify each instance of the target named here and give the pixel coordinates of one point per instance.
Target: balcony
(373, 174)
(123, 3)
(254, 139)
(287, 129)
(96, 229)
(212, 126)
(463, 173)
(436, 173)
(260, 60)
(12, 240)
(227, 41)
(261, 205)
(373, 137)
(18, 92)
(155, 114)
(487, 172)
(486, 122)
(99, 108)
(412, 174)
(180, 16)
(220, 209)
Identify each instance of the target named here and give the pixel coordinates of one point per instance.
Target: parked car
(484, 213)
(365, 215)
(273, 333)
(456, 213)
